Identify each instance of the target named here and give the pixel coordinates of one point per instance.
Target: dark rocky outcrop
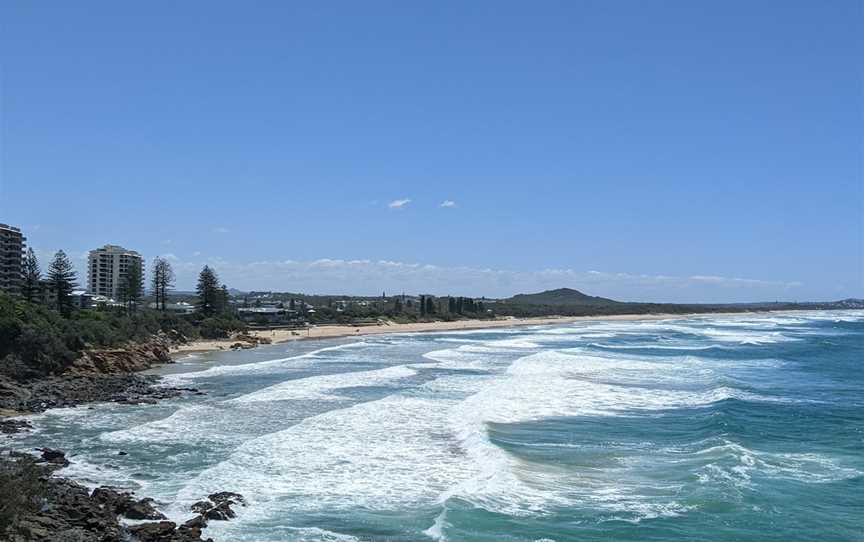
(124, 504)
(227, 497)
(220, 512)
(77, 389)
(67, 512)
(201, 506)
(55, 457)
(8, 427)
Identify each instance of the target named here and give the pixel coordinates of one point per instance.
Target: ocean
(745, 428)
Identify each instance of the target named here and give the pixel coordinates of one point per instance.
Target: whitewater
(742, 427)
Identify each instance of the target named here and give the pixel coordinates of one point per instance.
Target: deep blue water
(731, 428)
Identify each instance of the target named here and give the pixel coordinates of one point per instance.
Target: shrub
(22, 488)
(219, 327)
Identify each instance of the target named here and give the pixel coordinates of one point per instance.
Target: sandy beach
(336, 331)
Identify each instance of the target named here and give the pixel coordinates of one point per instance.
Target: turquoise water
(734, 428)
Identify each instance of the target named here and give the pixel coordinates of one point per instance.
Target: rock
(201, 506)
(227, 496)
(133, 357)
(122, 453)
(56, 457)
(162, 531)
(198, 522)
(75, 389)
(124, 504)
(220, 512)
(68, 512)
(8, 427)
(193, 527)
(111, 499)
(142, 509)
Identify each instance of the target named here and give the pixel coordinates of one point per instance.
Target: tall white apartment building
(11, 252)
(107, 268)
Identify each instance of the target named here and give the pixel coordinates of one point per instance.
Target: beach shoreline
(335, 331)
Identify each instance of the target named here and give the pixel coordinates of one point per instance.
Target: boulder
(220, 512)
(55, 457)
(162, 531)
(192, 528)
(201, 506)
(8, 427)
(227, 496)
(143, 509)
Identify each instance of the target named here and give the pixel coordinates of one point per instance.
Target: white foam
(736, 465)
(393, 453)
(552, 384)
(325, 386)
(259, 367)
(436, 531)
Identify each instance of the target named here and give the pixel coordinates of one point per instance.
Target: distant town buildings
(11, 255)
(108, 267)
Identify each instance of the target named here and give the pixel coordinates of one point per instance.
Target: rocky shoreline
(73, 390)
(63, 510)
(96, 376)
(57, 509)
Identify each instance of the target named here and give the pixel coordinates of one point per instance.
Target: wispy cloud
(220, 229)
(399, 203)
(448, 203)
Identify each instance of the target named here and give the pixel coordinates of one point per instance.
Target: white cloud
(448, 203)
(220, 229)
(370, 277)
(399, 203)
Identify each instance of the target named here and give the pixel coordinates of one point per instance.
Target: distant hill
(561, 297)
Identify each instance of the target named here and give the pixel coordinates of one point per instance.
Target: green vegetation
(163, 282)
(32, 276)
(37, 339)
(61, 281)
(561, 296)
(132, 288)
(210, 297)
(22, 488)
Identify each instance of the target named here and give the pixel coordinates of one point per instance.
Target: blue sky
(663, 150)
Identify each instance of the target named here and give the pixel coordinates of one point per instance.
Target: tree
(32, 276)
(223, 300)
(132, 287)
(61, 280)
(422, 306)
(430, 305)
(162, 282)
(208, 291)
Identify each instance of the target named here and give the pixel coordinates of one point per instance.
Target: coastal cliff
(131, 358)
(96, 375)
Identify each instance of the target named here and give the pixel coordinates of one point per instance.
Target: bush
(35, 340)
(219, 327)
(22, 489)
